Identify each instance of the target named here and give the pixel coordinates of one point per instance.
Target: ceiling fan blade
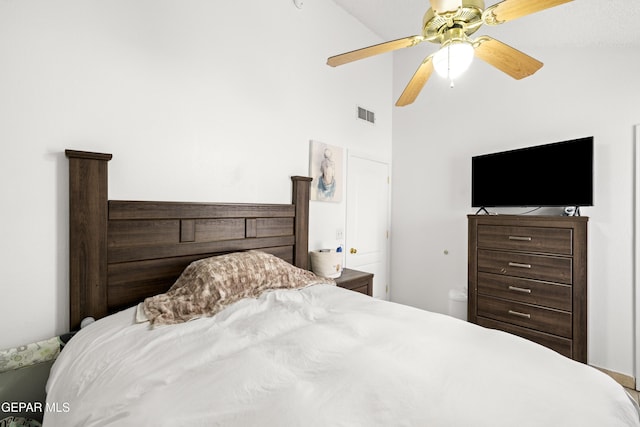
(505, 58)
(416, 83)
(377, 49)
(508, 10)
(442, 6)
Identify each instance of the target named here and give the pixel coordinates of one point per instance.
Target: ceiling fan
(450, 23)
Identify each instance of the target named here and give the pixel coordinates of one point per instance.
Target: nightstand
(358, 281)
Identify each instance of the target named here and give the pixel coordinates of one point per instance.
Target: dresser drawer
(529, 291)
(540, 267)
(526, 239)
(541, 319)
(563, 346)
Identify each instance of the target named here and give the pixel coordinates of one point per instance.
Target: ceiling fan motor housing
(436, 26)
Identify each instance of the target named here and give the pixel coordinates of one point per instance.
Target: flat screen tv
(558, 174)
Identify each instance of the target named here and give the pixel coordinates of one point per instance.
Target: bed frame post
(88, 211)
(301, 189)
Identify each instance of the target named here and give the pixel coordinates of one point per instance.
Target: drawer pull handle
(520, 238)
(517, 313)
(517, 289)
(517, 264)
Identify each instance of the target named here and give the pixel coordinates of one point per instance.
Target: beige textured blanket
(207, 286)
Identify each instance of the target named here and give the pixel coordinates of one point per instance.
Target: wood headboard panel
(121, 252)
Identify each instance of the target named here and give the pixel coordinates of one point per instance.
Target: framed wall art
(325, 167)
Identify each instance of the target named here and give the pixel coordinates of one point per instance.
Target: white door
(367, 228)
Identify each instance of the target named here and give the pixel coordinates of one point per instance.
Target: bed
(312, 355)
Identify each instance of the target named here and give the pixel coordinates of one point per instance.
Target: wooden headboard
(121, 252)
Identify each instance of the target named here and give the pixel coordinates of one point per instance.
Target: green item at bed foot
(19, 422)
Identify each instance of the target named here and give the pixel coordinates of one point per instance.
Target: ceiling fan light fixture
(449, 24)
(453, 59)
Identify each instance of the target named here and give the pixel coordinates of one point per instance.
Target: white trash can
(458, 303)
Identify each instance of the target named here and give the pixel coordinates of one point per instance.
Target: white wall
(200, 100)
(579, 92)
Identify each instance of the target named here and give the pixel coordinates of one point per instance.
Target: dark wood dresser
(355, 280)
(528, 276)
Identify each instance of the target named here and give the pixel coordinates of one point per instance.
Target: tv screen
(558, 174)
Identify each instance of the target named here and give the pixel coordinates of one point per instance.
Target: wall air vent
(367, 115)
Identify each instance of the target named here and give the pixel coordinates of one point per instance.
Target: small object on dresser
(326, 263)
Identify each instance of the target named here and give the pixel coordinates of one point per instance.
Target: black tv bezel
(588, 139)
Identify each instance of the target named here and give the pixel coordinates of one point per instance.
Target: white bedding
(323, 356)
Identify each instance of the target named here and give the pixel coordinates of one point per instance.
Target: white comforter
(323, 356)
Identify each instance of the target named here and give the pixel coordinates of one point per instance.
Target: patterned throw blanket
(208, 285)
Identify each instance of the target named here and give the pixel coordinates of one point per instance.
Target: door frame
(636, 254)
